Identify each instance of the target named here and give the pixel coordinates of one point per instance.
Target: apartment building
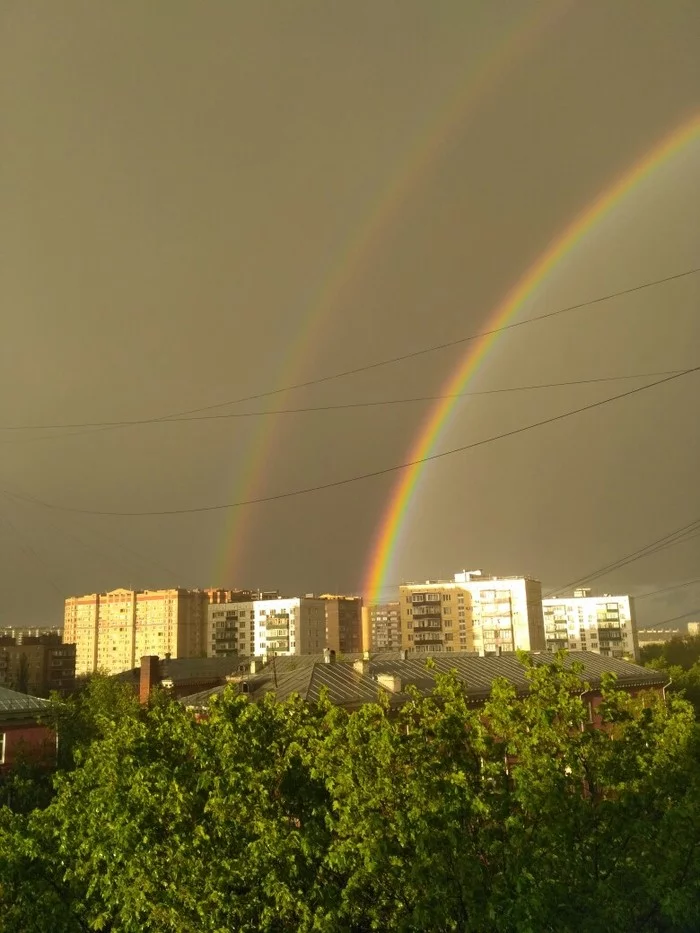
(383, 625)
(605, 624)
(344, 623)
(38, 665)
(112, 630)
(296, 625)
(472, 612)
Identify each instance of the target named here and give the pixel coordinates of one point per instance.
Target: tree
(442, 816)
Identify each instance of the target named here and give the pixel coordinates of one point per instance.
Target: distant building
(343, 623)
(110, 630)
(384, 625)
(38, 665)
(16, 634)
(239, 596)
(694, 628)
(473, 612)
(658, 636)
(604, 624)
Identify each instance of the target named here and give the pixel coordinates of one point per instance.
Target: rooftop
(13, 702)
(353, 683)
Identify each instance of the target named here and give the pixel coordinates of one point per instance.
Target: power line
(369, 475)
(109, 425)
(337, 407)
(683, 615)
(679, 535)
(667, 589)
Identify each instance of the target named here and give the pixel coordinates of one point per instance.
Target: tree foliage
(517, 816)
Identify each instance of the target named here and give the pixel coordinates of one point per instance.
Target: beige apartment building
(111, 631)
(472, 612)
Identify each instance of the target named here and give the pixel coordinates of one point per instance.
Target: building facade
(344, 624)
(472, 612)
(384, 626)
(606, 625)
(112, 630)
(38, 665)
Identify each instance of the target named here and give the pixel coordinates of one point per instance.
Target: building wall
(384, 626)
(289, 626)
(38, 669)
(604, 624)
(80, 629)
(473, 613)
(26, 741)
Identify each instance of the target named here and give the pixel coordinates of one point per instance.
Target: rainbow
(394, 516)
(482, 77)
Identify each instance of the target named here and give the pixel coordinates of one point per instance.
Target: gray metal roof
(13, 702)
(347, 686)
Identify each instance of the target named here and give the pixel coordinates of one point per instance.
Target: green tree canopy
(517, 816)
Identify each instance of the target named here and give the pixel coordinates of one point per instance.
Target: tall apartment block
(111, 631)
(383, 624)
(344, 624)
(606, 625)
(267, 626)
(472, 612)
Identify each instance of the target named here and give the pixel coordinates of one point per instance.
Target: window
(2, 748)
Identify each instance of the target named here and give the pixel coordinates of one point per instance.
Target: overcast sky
(205, 201)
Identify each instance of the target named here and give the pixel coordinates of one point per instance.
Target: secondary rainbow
(393, 518)
(482, 76)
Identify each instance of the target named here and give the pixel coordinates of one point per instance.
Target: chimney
(150, 675)
(328, 656)
(361, 666)
(390, 682)
(403, 654)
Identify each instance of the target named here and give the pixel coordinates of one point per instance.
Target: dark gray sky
(179, 184)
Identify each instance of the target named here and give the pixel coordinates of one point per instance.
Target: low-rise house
(352, 683)
(181, 676)
(23, 736)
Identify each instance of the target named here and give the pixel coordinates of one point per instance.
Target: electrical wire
(678, 536)
(338, 407)
(589, 303)
(667, 589)
(369, 475)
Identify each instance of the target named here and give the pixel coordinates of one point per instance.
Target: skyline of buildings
(472, 611)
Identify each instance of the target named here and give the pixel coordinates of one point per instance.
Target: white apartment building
(267, 627)
(604, 624)
(472, 612)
